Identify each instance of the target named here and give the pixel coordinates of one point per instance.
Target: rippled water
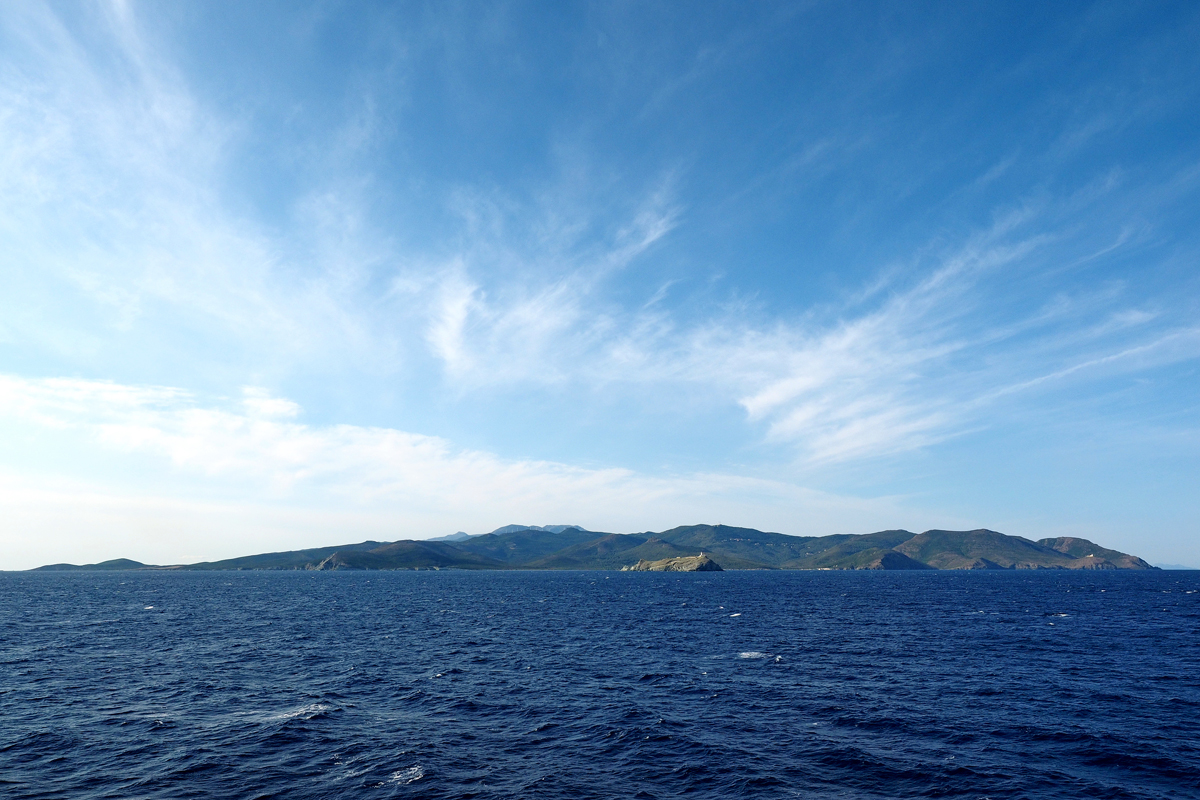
(600, 684)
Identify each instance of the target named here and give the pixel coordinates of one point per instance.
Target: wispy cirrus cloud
(926, 353)
(114, 215)
(528, 296)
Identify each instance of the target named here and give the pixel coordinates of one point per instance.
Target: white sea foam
(736, 615)
(753, 654)
(305, 712)
(413, 773)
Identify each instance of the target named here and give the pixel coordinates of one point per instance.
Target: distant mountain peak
(460, 536)
(546, 528)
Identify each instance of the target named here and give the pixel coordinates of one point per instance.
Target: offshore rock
(700, 563)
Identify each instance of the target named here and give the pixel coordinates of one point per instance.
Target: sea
(458, 684)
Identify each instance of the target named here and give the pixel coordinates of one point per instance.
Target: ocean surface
(600, 684)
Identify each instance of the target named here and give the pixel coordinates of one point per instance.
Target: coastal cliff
(700, 563)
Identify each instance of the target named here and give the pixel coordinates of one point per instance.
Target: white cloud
(259, 403)
(527, 295)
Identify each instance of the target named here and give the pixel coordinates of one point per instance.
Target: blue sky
(282, 274)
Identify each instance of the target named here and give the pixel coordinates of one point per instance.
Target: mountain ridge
(573, 547)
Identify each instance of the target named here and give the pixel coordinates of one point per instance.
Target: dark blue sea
(600, 684)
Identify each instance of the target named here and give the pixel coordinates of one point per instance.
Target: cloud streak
(895, 369)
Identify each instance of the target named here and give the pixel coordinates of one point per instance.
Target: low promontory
(700, 563)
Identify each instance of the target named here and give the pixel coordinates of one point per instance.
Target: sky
(284, 274)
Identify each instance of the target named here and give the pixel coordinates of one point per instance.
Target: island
(565, 547)
(700, 563)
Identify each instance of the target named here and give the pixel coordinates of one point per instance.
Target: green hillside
(116, 563)
(525, 545)
(1082, 548)
(851, 552)
(971, 549)
(289, 559)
